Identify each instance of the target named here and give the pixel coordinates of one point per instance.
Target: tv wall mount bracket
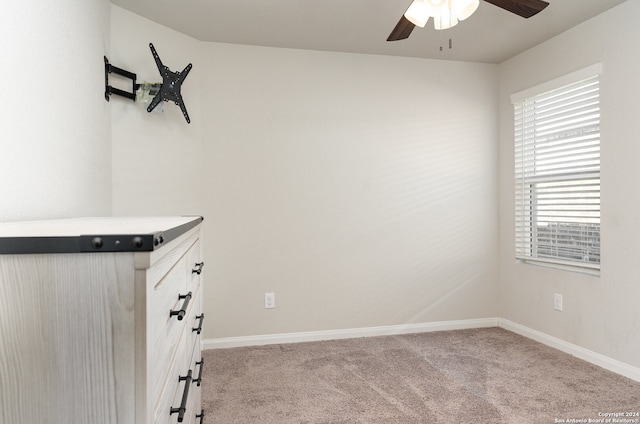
(168, 90)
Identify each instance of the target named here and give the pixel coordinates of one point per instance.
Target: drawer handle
(198, 268)
(182, 311)
(199, 379)
(199, 327)
(183, 405)
(201, 416)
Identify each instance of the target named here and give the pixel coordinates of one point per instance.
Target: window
(557, 172)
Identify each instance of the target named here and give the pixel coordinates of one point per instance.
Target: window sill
(561, 266)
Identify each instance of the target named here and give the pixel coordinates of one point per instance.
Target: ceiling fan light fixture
(447, 13)
(462, 9)
(418, 13)
(445, 19)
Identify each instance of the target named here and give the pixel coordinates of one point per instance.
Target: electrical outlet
(269, 300)
(557, 302)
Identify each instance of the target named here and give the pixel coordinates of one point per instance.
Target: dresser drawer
(173, 391)
(194, 406)
(164, 297)
(195, 322)
(170, 388)
(195, 265)
(193, 401)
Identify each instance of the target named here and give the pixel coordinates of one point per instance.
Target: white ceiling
(490, 35)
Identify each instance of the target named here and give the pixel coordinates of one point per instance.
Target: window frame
(527, 188)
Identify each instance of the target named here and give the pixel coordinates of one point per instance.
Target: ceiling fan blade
(402, 30)
(524, 8)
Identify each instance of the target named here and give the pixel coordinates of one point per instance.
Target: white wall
(54, 121)
(600, 313)
(360, 189)
(157, 156)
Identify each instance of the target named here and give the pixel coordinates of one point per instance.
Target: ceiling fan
(447, 13)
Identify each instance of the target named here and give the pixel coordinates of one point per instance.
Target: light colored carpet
(482, 376)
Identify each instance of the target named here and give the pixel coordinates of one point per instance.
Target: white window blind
(557, 175)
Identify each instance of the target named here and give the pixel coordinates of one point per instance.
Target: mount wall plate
(169, 88)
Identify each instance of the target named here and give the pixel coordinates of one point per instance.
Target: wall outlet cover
(557, 302)
(269, 300)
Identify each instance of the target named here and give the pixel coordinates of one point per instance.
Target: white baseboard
(313, 336)
(595, 358)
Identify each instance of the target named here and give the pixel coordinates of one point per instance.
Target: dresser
(100, 321)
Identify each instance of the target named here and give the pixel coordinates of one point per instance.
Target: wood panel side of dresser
(67, 338)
